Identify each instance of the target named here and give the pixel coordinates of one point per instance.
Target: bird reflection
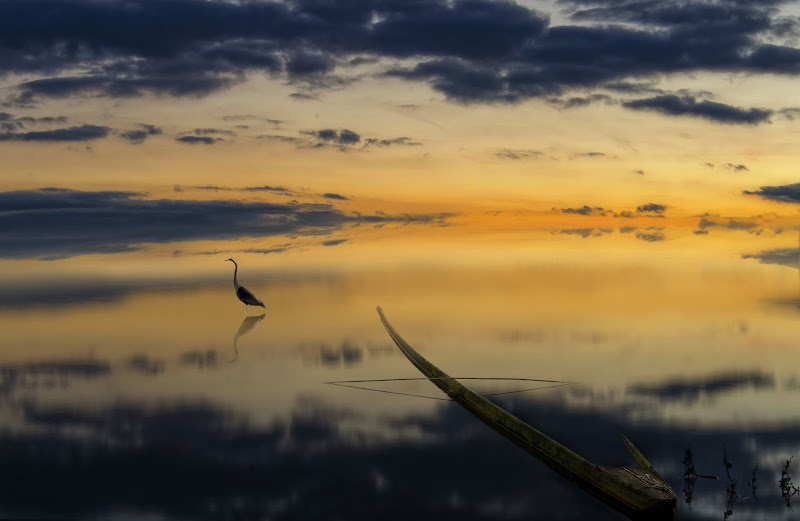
(247, 326)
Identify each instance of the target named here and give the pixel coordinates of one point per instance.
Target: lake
(133, 386)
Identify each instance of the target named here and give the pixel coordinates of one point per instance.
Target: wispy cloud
(507, 153)
(75, 133)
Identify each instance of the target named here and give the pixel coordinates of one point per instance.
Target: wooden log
(639, 493)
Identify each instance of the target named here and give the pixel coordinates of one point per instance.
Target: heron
(244, 294)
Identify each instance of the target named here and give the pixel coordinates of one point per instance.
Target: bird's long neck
(235, 270)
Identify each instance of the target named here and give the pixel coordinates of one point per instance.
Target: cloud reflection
(53, 223)
(203, 461)
(688, 391)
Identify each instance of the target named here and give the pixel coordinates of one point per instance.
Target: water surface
(133, 386)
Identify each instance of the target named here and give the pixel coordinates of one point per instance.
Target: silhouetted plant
(787, 487)
(689, 476)
(731, 489)
(752, 483)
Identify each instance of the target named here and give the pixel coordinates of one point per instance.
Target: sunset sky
(324, 112)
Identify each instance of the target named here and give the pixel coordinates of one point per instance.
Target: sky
(319, 114)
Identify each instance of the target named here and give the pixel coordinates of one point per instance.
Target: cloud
(737, 167)
(265, 188)
(198, 140)
(582, 101)
(54, 223)
(306, 64)
(143, 132)
(588, 154)
(470, 51)
(517, 154)
(731, 224)
(689, 391)
(585, 232)
(335, 196)
(585, 210)
(343, 137)
(76, 133)
(673, 105)
(790, 113)
(785, 193)
(403, 141)
(783, 257)
(650, 236)
(651, 208)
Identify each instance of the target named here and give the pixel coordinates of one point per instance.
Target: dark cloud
(687, 105)
(651, 208)
(737, 167)
(12, 123)
(265, 188)
(472, 51)
(198, 140)
(54, 223)
(585, 232)
(731, 224)
(342, 137)
(76, 133)
(782, 257)
(204, 136)
(339, 197)
(143, 132)
(650, 236)
(785, 193)
(304, 64)
(585, 210)
(211, 132)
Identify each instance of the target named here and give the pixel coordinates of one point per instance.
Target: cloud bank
(53, 223)
(470, 51)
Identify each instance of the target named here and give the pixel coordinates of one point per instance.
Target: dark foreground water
(153, 398)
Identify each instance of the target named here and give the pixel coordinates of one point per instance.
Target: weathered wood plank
(637, 492)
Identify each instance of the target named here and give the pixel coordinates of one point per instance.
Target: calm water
(133, 387)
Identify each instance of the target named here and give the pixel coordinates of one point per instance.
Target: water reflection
(248, 325)
(673, 354)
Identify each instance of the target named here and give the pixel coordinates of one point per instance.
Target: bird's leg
(245, 310)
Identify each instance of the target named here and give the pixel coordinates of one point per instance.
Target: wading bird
(243, 293)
